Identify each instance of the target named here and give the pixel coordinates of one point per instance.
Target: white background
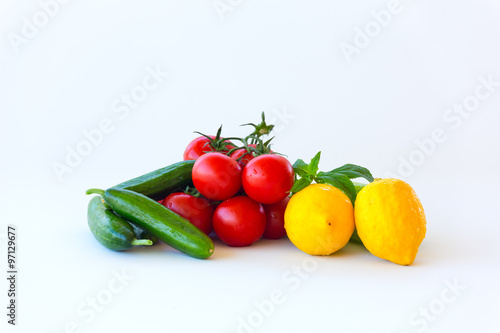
(284, 58)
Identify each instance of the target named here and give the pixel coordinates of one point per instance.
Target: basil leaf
(340, 181)
(301, 168)
(358, 186)
(313, 166)
(300, 184)
(354, 171)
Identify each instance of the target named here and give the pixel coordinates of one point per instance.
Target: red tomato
(216, 176)
(197, 210)
(197, 147)
(243, 152)
(275, 219)
(268, 178)
(200, 146)
(239, 221)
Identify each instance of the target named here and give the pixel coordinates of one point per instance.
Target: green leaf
(340, 181)
(359, 186)
(313, 166)
(354, 171)
(301, 168)
(355, 238)
(301, 184)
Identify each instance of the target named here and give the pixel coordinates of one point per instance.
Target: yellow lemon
(319, 220)
(390, 220)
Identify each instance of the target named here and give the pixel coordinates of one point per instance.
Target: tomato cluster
(242, 192)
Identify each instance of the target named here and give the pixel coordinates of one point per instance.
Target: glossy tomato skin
(268, 178)
(201, 146)
(197, 147)
(239, 221)
(197, 210)
(216, 176)
(275, 219)
(246, 156)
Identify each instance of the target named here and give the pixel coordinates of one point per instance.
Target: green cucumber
(111, 230)
(159, 221)
(160, 183)
(139, 233)
(143, 234)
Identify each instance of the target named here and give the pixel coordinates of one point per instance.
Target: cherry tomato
(200, 146)
(197, 210)
(216, 176)
(268, 178)
(239, 221)
(197, 147)
(275, 219)
(243, 152)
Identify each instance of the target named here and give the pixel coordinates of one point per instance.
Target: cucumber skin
(112, 231)
(160, 183)
(142, 234)
(160, 221)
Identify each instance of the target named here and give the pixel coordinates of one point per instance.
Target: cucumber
(160, 183)
(143, 234)
(159, 221)
(139, 233)
(111, 230)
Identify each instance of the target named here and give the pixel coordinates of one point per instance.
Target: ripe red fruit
(275, 219)
(243, 156)
(216, 176)
(268, 178)
(197, 210)
(201, 145)
(239, 221)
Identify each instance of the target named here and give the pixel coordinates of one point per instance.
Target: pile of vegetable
(236, 189)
